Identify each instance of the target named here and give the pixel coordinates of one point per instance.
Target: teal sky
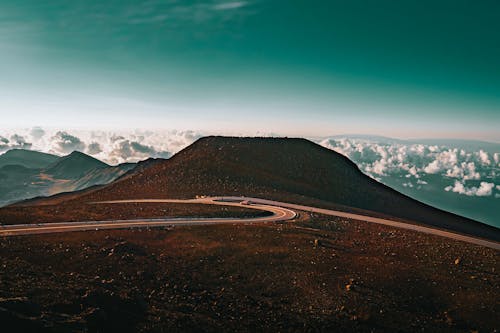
(388, 67)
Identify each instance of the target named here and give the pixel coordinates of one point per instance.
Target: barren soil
(319, 274)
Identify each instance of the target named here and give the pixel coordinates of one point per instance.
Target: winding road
(281, 211)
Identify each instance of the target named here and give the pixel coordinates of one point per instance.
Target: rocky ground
(317, 274)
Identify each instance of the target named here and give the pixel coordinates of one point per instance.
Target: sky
(402, 69)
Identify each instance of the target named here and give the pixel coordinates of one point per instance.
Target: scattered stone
(350, 285)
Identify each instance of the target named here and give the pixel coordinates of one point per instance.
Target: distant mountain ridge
(26, 174)
(99, 176)
(27, 158)
(74, 165)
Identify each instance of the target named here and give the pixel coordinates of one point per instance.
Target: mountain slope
(73, 166)
(15, 182)
(27, 158)
(293, 170)
(98, 176)
(73, 172)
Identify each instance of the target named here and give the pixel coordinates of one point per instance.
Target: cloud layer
(412, 165)
(470, 173)
(112, 147)
(14, 141)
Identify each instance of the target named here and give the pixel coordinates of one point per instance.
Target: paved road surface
(278, 214)
(281, 211)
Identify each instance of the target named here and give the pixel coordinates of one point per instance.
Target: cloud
(15, 141)
(18, 141)
(132, 146)
(464, 171)
(132, 151)
(454, 172)
(94, 148)
(484, 189)
(112, 147)
(442, 160)
(149, 150)
(378, 167)
(483, 157)
(413, 171)
(37, 133)
(65, 143)
(178, 14)
(115, 138)
(230, 5)
(399, 161)
(470, 171)
(432, 167)
(4, 144)
(148, 19)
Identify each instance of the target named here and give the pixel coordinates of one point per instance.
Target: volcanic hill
(285, 169)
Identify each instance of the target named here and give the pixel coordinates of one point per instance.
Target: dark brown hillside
(294, 170)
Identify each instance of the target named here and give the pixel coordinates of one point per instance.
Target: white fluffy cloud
(133, 151)
(37, 133)
(432, 167)
(483, 157)
(484, 189)
(112, 147)
(94, 148)
(64, 143)
(464, 171)
(15, 141)
(459, 170)
(384, 159)
(378, 167)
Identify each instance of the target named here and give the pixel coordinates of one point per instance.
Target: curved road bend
(277, 208)
(278, 214)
